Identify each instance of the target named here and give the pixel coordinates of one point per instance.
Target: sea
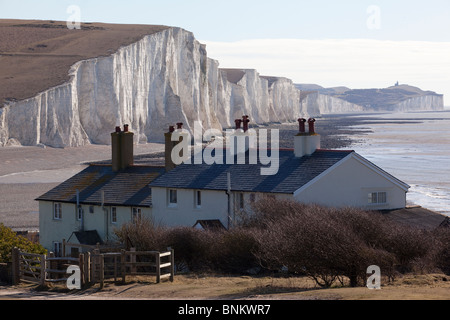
(415, 148)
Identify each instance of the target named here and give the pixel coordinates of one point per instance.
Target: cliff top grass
(36, 55)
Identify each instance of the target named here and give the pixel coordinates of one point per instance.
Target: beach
(415, 148)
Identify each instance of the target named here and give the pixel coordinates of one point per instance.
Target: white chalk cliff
(158, 81)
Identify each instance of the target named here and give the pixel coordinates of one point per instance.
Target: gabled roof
(293, 174)
(128, 187)
(90, 237)
(214, 225)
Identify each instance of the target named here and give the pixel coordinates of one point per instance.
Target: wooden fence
(95, 267)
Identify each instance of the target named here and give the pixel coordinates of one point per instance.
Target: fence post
(82, 270)
(15, 266)
(158, 267)
(123, 264)
(172, 264)
(102, 270)
(133, 260)
(94, 259)
(51, 263)
(87, 267)
(43, 259)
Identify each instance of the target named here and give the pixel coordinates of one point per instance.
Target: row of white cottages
(89, 206)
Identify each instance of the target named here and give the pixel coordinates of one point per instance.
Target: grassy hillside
(36, 55)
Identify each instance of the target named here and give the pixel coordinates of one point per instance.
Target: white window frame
(57, 248)
(113, 215)
(241, 201)
(377, 198)
(79, 212)
(170, 201)
(57, 211)
(136, 214)
(198, 199)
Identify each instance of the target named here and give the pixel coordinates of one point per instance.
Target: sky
(354, 43)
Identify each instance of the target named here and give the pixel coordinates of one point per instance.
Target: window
(57, 249)
(57, 211)
(91, 209)
(252, 198)
(75, 252)
(173, 198)
(113, 215)
(79, 213)
(136, 214)
(198, 199)
(241, 201)
(377, 198)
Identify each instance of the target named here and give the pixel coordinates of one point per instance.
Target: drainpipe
(228, 192)
(78, 211)
(105, 211)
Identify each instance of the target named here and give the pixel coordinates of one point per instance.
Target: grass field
(215, 287)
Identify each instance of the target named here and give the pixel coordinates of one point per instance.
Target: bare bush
(442, 249)
(142, 234)
(326, 244)
(233, 251)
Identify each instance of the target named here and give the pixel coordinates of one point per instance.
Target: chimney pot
(125, 128)
(118, 129)
(171, 129)
(302, 122)
(245, 121)
(311, 125)
(179, 125)
(238, 123)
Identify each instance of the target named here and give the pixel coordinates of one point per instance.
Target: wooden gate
(39, 268)
(29, 267)
(94, 266)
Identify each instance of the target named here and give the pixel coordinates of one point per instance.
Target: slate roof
(213, 225)
(292, 175)
(128, 187)
(90, 237)
(417, 217)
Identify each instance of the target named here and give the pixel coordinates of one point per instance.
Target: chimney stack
(122, 148)
(169, 145)
(306, 143)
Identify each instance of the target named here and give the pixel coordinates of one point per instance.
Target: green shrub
(9, 239)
